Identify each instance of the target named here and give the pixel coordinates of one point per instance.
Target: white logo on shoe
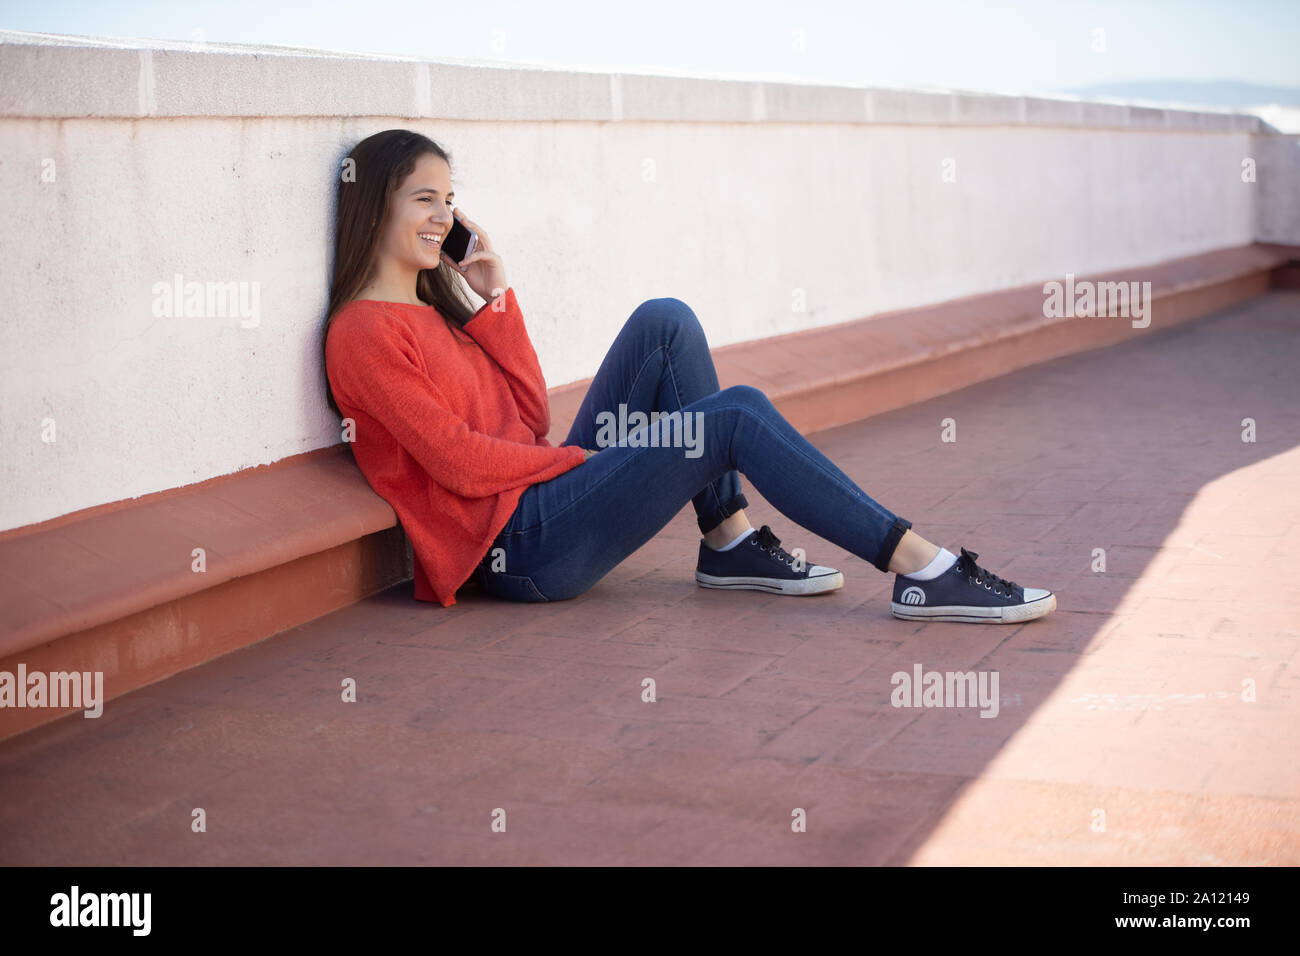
(913, 595)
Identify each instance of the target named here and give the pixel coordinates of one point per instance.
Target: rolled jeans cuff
(895, 534)
(725, 510)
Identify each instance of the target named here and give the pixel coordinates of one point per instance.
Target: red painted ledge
(110, 588)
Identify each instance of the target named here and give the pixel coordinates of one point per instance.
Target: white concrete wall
(1277, 161)
(122, 166)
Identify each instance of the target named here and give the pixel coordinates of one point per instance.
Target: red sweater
(448, 432)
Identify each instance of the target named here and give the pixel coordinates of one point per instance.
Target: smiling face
(419, 216)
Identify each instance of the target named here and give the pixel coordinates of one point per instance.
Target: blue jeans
(569, 532)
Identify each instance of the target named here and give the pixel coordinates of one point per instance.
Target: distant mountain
(1223, 94)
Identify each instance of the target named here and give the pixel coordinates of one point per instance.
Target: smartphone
(459, 242)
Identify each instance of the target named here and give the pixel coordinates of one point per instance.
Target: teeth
(431, 235)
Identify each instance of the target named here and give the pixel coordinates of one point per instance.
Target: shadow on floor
(765, 703)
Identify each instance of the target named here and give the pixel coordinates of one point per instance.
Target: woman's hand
(483, 268)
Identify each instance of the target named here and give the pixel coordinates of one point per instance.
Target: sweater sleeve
(376, 368)
(499, 328)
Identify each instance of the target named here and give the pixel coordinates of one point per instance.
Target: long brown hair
(374, 169)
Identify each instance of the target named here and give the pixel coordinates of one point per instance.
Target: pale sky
(1014, 46)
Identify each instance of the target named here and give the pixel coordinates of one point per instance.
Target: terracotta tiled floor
(1127, 702)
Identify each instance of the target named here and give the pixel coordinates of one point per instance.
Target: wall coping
(64, 77)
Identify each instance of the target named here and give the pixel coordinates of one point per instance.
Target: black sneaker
(967, 592)
(759, 563)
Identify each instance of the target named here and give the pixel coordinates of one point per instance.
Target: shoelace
(772, 545)
(977, 575)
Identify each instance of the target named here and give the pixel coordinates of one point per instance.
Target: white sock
(941, 563)
(739, 538)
